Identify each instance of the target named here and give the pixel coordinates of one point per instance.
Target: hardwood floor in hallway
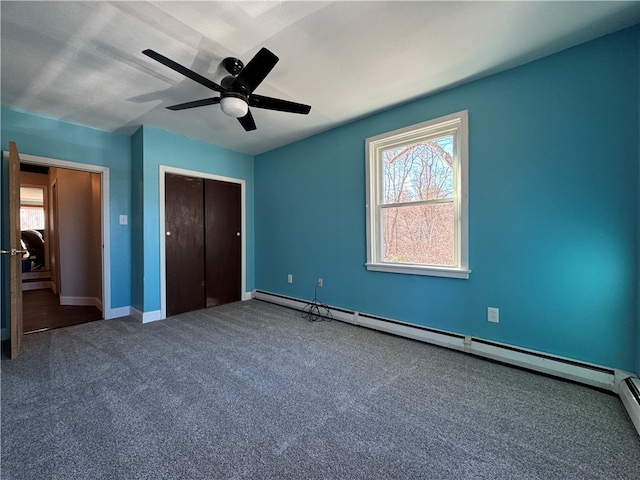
(42, 311)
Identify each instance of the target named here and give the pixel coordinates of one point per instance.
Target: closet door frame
(243, 232)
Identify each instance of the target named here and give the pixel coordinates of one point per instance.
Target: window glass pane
(422, 234)
(422, 171)
(31, 196)
(31, 218)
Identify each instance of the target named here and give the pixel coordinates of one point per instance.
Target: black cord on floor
(316, 310)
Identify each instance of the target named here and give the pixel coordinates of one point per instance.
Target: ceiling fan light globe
(234, 107)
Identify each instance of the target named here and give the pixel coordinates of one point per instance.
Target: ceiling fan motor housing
(232, 65)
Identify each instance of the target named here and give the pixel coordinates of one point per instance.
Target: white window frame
(457, 123)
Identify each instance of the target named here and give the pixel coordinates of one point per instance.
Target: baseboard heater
(630, 395)
(622, 383)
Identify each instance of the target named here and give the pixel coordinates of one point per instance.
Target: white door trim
(106, 238)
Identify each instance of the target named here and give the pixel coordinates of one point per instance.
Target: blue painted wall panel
(168, 149)
(553, 210)
(48, 137)
(137, 222)
(637, 371)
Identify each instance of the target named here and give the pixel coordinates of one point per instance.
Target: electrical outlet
(320, 282)
(289, 278)
(493, 314)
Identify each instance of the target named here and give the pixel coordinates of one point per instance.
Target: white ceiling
(82, 61)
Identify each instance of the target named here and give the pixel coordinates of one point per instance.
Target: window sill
(419, 270)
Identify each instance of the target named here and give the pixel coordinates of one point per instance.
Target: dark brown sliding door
(222, 202)
(203, 244)
(184, 244)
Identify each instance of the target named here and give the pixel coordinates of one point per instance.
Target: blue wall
(134, 189)
(163, 148)
(638, 257)
(552, 213)
(51, 138)
(554, 206)
(137, 222)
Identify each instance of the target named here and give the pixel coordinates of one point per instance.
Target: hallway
(42, 311)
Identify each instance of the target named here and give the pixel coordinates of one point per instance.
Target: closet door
(223, 217)
(184, 244)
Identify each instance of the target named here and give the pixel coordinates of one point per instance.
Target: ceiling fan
(236, 89)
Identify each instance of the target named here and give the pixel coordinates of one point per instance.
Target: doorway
(202, 240)
(85, 250)
(60, 217)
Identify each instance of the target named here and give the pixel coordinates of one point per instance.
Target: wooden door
(54, 248)
(223, 252)
(14, 251)
(184, 244)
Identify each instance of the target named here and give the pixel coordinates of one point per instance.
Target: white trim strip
(120, 312)
(419, 270)
(582, 372)
(146, 317)
(81, 301)
(151, 316)
(630, 401)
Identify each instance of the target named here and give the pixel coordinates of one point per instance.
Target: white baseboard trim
(589, 374)
(629, 392)
(151, 316)
(146, 317)
(81, 301)
(120, 312)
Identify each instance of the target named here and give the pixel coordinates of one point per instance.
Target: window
(31, 208)
(417, 199)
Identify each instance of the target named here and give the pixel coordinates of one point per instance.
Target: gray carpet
(252, 390)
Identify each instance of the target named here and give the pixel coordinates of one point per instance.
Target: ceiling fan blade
(196, 103)
(270, 103)
(256, 70)
(247, 122)
(183, 70)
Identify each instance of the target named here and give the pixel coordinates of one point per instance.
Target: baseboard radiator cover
(630, 395)
(589, 374)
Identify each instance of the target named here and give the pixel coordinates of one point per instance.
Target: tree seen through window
(418, 216)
